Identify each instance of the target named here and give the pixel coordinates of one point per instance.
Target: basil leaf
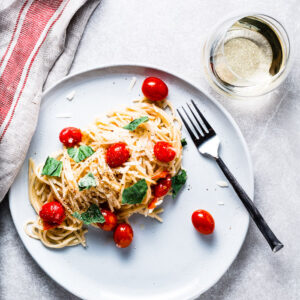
(183, 142)
(52, 167)
(135, 193)
(178, 182)
(87, 182)
(92, 215)
(135, 123)
(80, 153)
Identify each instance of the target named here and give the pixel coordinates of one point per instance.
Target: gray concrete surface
(170, 34)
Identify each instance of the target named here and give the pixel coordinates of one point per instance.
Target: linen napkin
(38, 41)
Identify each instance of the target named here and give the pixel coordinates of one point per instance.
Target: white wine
(248, 56)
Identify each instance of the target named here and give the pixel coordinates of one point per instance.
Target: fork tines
(205, 127)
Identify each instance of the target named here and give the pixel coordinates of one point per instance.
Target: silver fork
(207, 143)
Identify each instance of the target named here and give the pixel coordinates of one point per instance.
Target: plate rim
(199, 89)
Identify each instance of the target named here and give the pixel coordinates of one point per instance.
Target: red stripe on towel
(14, 31)
(28, 70)
(37, 17)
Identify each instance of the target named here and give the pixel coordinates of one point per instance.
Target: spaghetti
(111, 182)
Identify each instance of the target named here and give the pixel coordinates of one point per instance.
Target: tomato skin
(152, 204)
(123, 235)
(70, 136)
(162, 174)
(203, 221)
(163, 186)
(117, 154)
(47, 226)
(110, 220)
(154, 89)
(164, 151)
(52, 214)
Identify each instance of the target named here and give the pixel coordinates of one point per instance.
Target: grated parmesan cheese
(159, 202)
(222, 183)
(132, 83)
(71, 95)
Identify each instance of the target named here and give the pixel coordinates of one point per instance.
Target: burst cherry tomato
(154, 89)
(152, 204)
(70, 136)
(163, 186)
(203, 221)
(162, 174)
(52, 214)
(117, 154)
(110, 220)
(123, 235)
(164, 151)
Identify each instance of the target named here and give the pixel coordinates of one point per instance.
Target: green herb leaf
(92, 215)
(135, 193)
(87, 182)
(178, 182)
(52, 167)
(80, 153)
(183, 142)
(135, 123)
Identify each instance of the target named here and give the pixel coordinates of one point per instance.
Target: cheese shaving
(222, 184)
(71, 95)
(132, 83)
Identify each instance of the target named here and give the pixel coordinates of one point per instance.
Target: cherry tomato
(47, 226)
(152, 204)
(162, 174)
(154, 89)
(164, 151)
(123, 235)
(110, 220)
(70, 136)
(203, 221)
(52, 214)
(163, 186)
(117, 154)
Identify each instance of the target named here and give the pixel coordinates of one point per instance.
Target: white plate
(165, 261)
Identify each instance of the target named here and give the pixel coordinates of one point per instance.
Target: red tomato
(47, 226)
(117, 154)
(152, 204)
(203, 221)
(123, 235)
(110, 220)
(52, 214)
(162, 174)
(70, 136)
(163, 186)
(154, 89)
(164, 151)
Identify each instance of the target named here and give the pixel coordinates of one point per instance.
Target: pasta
(111, 182)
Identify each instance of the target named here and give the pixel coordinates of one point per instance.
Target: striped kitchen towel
(38, 41)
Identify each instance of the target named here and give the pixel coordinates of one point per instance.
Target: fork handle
(274, 243)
